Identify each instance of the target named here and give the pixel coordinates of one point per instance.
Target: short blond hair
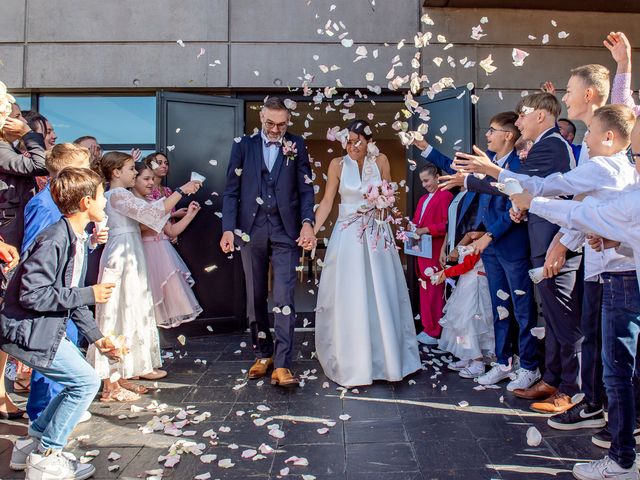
(595, 76)
(620, 119)
(541, 101)
(64, 155)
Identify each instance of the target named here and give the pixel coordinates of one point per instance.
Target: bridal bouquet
(377, 212)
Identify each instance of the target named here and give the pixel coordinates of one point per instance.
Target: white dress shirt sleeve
(426, 152)
(585, 178)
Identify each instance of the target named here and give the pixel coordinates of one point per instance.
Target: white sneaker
(474, 370)
(56, 465)
(86, 416)
(21, 450)
(524, 379)
(497, 373)
(426, 339)
(459, 365)
(604, 469)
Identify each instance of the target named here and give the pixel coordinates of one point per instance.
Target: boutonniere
(289, 150)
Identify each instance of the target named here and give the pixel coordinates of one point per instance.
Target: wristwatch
(310, 222)
(180, 191)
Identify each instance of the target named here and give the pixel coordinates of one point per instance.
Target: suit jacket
(293, 186)
(435, 218)
(510, 240)
(18, 184)
(549, 155)
(40, 300)
(468, 207)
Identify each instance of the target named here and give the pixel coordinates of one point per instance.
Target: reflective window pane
(110, 119)
(23, 101)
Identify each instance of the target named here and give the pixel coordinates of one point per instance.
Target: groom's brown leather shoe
(284, 378)
(260, 368)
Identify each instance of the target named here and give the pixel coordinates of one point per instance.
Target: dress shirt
(270, 153)
(618, 219)
(602, 178)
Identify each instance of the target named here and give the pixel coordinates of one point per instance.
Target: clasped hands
(307, 239)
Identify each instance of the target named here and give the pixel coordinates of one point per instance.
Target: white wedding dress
(130, 310)
(364, 322)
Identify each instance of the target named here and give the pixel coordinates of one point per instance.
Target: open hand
(548, 87)
(620, 48)
(447, 182)
(478, 162)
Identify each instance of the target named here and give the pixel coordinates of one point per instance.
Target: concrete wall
(507, 29)
(94, 44)
(120, 44)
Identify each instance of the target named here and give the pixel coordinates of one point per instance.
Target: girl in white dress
(129, 311)
(169, 278)
(467, 323)
(364, 322)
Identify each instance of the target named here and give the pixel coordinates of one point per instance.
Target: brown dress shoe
(260, 368)
(556, 403)
(284, 378)
(537, 391)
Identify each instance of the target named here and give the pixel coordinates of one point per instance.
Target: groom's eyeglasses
(269, 125)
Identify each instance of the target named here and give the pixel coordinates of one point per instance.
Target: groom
(269, 196)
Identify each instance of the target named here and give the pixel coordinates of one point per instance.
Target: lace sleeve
(151, 214)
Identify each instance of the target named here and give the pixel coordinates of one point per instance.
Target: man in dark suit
(268, 212)
(559, 290)
(505, 255)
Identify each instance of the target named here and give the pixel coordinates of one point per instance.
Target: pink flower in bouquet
(289, 150)
(372, 193)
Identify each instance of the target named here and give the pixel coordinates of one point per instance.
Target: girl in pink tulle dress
(169, 278)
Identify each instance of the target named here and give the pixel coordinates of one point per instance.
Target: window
(23, 101)
(117, 122)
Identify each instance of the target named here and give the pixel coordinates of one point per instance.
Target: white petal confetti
(297, 461)
(323, 431)
(226, 463)
(502, 295)
(182, 339)
(249, 453)
(502, 312)
(538, 332)
(208, 458)
(563, 35)
(487, 65)
(203, 476)
(344, 417)
(534, 437)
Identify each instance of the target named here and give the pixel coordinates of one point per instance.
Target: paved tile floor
(410, 430)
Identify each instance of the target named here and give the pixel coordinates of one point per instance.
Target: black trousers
(561, 309)
(270, 243)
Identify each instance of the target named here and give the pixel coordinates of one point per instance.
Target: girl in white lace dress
(129, 311)
(364, 323)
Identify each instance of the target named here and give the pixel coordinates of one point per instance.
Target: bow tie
(271, 144)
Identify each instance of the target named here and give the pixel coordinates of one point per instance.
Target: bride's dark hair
(360, 127)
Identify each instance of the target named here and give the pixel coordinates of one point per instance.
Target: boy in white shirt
(618, 220)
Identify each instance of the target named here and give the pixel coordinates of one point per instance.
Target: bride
(364, 322)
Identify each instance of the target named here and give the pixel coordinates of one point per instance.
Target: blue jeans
(620, 330)
(42, 389)
(511, 276)
(591, 327)
(80, 385)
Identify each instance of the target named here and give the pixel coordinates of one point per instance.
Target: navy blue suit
(559, 295)
(506, 262)
(274, 224)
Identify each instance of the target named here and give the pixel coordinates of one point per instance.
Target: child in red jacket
(430, 218)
